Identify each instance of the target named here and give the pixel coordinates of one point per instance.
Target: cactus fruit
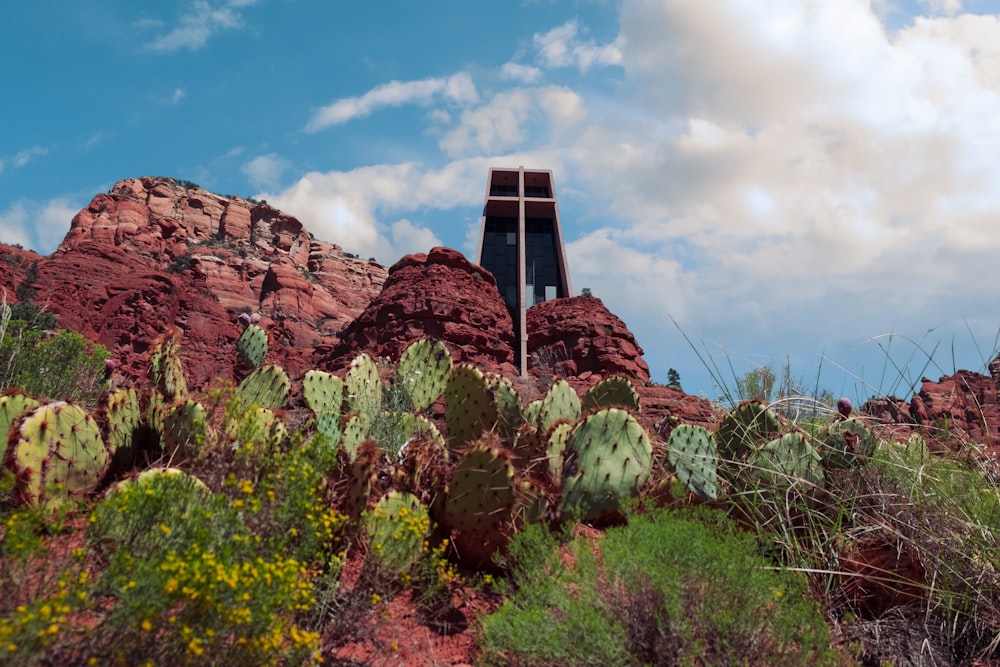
(166, 371)
(691, 451)
(267, 387)
(323, 392)
(481, 492)
(560, 402)
(608, 458)
(251, 346)
(396, 528)
(750, 424)
(185, 429)
(469, 406)
(56, 453)
(786, 461)
(611, 392)
(844, 441)
(12, 406)
(364, 390)
(423, 371)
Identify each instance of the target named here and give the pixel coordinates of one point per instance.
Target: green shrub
(666, 589)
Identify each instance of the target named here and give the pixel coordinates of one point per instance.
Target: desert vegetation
(272, 521)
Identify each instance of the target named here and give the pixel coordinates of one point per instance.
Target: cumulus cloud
(349, 208)
(264, 171)
(40, 226)
(202, 20)
(500, 124)
(457, 88)
(512, 71)
(561, 47)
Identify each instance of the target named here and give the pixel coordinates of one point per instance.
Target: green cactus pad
(252, 346)
(469, 406)
(364, 390)
(846, 442)
(166, 371)
(608, 458)
(560, 402)
(150, 475)
(323, 392)
(354, 432)
(396, 528)
(743, 430)
(423, 371)
(556, 449)
(481, 492)
(786, 461)
(267, 387)
(328, 423)
(611, 393)
(122, 417)
(510, 407)
(691, 451)
(56, 453)
(12, 406)
(185, 429)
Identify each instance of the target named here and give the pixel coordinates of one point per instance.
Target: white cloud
(176, 96)
(560, 47)
(516, 72)
(348, 208)
(457, 88)
(40, 226)
(202, 20)
(24, 157)
(264, 171)
(943, 6)
(500, 124)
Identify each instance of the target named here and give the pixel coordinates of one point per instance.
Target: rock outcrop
(578, 335)
(442, 295)
(155, 252)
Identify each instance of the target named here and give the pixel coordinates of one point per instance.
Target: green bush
(64, 366)
(666, 589)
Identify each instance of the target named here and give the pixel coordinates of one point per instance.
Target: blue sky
(784, 179)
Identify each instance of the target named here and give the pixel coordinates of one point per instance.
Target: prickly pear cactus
(323, 392)
(481, 492)
(150, 475)
(251, 346)
(846, 442)
(510, 407)
(786, 461)
(355, 432)
(611, 392)
(423, 372)
(364, 390)
(748, 426)
(185, 429)
(328, 424)
(166, 371)
(363, 475)
(691, 451)
(469, 408)
(267, 387)
(608, 458)
(12, 406)
(56, 454)
(122, 417)
(560, 402)
(556, 449)
(395, 529)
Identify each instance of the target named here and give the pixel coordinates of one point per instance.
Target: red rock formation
(577, 335)
(963, 405)
(442, 295)
(154, 252)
